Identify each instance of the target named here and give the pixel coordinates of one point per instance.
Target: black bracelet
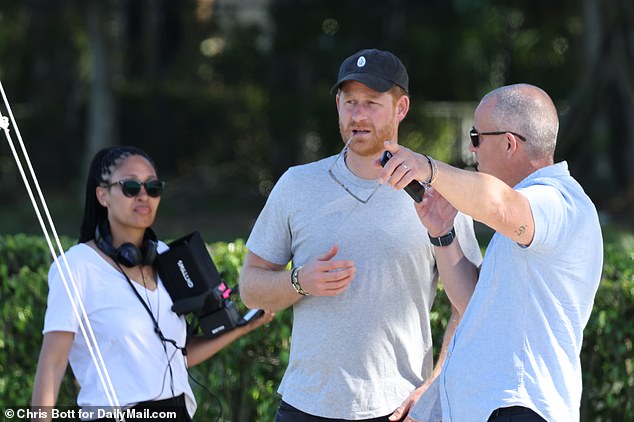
(443, 240)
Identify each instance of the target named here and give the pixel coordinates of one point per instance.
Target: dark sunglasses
(131, 188)
(474, 135)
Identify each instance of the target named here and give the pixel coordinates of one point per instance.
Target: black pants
(175, 405)
(287, 413)
(514, 414)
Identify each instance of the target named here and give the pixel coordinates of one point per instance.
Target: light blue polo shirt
(519, 340)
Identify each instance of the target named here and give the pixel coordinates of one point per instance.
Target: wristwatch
(443, 240)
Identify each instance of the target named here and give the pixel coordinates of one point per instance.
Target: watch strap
(444, 240)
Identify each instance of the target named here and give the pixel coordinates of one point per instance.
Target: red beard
(372, 145)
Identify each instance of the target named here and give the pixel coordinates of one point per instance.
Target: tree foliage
(227, 95)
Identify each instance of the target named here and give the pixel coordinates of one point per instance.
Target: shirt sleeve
(271, 236)
(548, 207)
(63, 298)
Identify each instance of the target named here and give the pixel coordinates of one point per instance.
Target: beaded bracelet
(295, 282)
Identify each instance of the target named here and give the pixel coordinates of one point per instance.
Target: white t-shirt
(134, 356)
(359, 354)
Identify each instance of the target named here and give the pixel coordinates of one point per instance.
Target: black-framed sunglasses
(132, 188)
(474, 135)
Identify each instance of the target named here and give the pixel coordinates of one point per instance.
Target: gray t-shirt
(359, 354)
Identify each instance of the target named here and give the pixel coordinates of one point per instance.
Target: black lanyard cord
(157, 329)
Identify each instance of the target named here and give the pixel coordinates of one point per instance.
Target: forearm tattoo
(520, 231)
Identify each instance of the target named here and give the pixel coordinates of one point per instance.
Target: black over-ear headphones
(127, 254)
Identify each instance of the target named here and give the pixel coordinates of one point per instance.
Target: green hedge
(241, 381)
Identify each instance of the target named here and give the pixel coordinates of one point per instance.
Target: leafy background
(227, 94)
(239, 384)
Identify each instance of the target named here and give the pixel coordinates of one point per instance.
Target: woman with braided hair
(143, 343)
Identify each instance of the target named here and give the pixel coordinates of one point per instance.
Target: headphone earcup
(149, 252)
(129, 255)
(102, 240)
(150, 246)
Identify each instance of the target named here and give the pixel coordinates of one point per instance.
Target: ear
(402, 107)
(511, 143)
(101, 193)
(337, 100)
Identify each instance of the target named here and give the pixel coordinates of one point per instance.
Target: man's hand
(404, 166)
(403, 410)
(326, 277)
(436, 213)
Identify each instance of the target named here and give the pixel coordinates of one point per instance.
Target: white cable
(80, 314)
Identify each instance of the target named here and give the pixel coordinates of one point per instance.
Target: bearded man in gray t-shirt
(364, 271)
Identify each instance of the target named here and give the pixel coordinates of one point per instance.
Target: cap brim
(374, 82)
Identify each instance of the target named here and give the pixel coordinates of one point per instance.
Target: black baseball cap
(378, 69)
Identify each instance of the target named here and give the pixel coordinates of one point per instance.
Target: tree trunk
(101, 106)
(597, 132)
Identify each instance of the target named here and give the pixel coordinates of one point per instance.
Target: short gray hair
(528, 111)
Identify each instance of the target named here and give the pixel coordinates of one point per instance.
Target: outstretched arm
(483, 197)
